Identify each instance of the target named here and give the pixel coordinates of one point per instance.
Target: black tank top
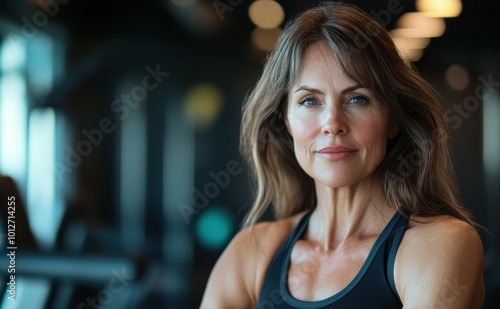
(373, 286)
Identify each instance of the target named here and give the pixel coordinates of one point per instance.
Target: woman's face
(339, 130)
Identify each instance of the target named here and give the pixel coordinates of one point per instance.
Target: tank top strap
(395, 240)
(299, 229)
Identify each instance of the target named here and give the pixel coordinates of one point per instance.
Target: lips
(336, 153)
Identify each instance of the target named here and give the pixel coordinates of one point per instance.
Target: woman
(349, 145)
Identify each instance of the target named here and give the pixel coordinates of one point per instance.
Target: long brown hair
(417, 173)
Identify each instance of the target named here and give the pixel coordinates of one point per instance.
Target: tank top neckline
(298, 232)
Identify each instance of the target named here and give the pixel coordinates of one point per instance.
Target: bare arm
(229, 285)
(238, 275)
(441, 267)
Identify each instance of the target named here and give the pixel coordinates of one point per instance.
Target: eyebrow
(314, 90)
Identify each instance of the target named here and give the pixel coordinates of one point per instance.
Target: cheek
(303, 133)
(375, 134)
(302, 130)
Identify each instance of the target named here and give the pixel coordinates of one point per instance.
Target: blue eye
(358, 100)
(308, 102)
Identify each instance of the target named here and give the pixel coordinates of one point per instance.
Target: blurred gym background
(119, 125)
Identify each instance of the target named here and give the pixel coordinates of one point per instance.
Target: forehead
(320, 68)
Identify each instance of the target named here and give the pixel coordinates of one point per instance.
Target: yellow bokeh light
(411, 54)
(203, 103)
(410, 43)
(266, 14)
(440, 8)
(265, 39)
(419, 25)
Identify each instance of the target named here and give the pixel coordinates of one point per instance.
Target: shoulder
(442, 232)
(440, 262)
(237, 277)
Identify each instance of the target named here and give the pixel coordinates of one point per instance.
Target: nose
(334, 121)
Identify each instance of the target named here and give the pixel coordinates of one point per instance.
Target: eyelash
(302, 101)
(365, 100)
(359, 97)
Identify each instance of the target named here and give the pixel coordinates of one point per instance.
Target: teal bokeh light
(213, 227)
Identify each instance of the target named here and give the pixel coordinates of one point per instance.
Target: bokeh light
(203, 103)
(457, 77)
(265, 39)
(419, 25)
(440, 8)
(214, 227)
(266, 14)
(411, 54)
(410, 43)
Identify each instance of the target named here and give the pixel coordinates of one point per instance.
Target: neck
(343, 213)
